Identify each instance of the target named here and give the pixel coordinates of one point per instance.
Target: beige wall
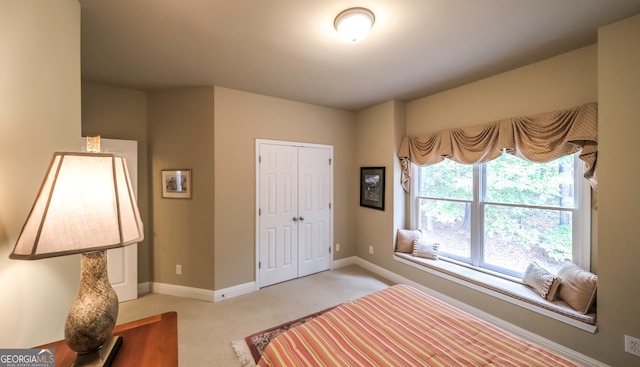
(400, 199)
(619, 196)
(120, 113)
(181, 136)
(240, 119)
(380, 129)
(560, 82)
(39, 114)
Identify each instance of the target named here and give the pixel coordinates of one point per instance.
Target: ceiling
(289, 48)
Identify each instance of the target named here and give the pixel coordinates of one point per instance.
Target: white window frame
(581, 245)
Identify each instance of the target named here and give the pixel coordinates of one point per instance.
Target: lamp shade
(86, 203)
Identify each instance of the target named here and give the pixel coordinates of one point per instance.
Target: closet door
(294, 210)
(278, 213)
(314, 225)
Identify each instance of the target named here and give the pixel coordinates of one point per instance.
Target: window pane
(517, 181)
(447, 180)
(514, 237)
(448, 223)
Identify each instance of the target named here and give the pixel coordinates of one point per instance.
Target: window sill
(511, 291)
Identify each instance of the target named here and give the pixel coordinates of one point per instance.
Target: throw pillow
(577, 287)
(545, 283)
(553, 290)
(426, 250)
(405, 238)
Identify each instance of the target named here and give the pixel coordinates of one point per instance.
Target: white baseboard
(236, 290)
(525, 334)
(182, 291)
(221, 294)
(240, 289)
(341, 263)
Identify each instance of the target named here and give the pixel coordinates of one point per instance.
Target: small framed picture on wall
(176, 183)
(372, 187)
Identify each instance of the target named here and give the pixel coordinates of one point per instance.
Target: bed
(402, 326)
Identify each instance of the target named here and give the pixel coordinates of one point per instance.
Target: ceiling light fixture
(354, 24)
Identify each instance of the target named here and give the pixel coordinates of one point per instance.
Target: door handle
(301, 218)
(295, 219)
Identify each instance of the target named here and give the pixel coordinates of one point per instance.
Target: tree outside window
(500, 215)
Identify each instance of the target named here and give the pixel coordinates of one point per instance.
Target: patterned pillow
(426, 250)
(577, 287)
(545, 283)
(405, 238)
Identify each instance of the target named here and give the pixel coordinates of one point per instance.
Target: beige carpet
(207, 329)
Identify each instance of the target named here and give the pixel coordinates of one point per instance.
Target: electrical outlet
(371, 249)
(632, 345)
(178, 269)
(337, 247)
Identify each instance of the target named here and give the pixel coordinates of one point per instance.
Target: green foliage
(557, 242)
(447, 180)
(509, 180)
(514, 180)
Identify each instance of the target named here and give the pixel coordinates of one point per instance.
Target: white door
(314, 214)
(278, 214)
(294, 213)
(122, 263)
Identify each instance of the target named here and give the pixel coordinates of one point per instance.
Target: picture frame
(176, 183)
(372, 187)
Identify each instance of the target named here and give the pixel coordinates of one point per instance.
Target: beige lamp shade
(86, 203)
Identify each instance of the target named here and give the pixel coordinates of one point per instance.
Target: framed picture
(176, 183)
(372, 187)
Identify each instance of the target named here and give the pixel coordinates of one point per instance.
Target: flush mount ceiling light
(354, 24)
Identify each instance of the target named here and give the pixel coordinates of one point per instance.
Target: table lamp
(85, 205)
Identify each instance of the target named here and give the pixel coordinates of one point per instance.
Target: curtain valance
(537, 138)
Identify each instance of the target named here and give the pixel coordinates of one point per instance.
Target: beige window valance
(538, 138)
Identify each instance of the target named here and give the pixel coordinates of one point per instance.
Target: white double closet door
(294, 217)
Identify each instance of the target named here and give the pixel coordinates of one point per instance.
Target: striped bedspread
(402, 326)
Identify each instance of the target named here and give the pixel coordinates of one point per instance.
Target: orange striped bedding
(402, 326)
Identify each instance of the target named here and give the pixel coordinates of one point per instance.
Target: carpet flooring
(207, 329)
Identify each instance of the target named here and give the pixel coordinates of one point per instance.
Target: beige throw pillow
(553, 290)
(545, 283)
(426, 250)
(405, 238)
(577, 287)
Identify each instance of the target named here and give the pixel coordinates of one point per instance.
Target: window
(503, 214)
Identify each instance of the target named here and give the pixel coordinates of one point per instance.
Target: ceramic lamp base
(93, 314)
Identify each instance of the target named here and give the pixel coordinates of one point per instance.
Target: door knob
(295, 219)
(301, 218)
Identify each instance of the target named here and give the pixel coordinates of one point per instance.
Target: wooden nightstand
(152, 341)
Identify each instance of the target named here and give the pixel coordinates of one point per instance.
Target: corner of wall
(400, 198)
